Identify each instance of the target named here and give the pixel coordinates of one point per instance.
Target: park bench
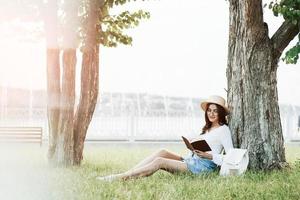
(21, 135)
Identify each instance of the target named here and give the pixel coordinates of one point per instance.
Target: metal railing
(132, 127)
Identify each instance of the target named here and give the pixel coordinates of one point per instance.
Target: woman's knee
(162, 152)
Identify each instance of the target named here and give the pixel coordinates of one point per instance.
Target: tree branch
(283, 36)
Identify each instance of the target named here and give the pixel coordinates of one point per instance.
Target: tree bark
(63, 145)
(67, 107)
(49, 13)
(53, 97)
(88, 100)
(252, 87)
(89, 82)
(68, 131)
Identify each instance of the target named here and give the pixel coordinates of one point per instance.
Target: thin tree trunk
(88, 100)
(89, 82)
(64, 148)
(252, 87)
(53, 97)
(61, 152)
(49, 13)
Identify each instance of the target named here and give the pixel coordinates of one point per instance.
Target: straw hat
(215, 100)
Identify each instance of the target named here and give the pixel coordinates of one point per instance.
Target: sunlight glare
(22, 64)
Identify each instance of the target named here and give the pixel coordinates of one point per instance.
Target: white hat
(215, 100)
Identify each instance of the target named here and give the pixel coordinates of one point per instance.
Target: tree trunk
(67, 132)
(63, 145)
(53, 97)
(252, 87)
(49, 13)
(88, 100)
(89, 82)
(67, 106)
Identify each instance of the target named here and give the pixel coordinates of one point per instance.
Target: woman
(215, 132)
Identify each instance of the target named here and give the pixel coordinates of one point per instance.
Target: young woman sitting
(215, 132)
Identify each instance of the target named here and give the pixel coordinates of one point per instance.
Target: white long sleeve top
(218, 139)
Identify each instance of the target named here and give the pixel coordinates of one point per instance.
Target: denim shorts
(199, 165)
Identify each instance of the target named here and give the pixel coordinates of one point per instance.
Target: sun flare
(22, 64)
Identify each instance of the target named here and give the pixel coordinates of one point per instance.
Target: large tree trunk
(89, 82)
(252, 86)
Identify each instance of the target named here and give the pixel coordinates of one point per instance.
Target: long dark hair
(221, 114)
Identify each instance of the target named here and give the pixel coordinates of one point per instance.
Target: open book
(200, 145)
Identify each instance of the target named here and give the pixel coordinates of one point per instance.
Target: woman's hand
(202, 154)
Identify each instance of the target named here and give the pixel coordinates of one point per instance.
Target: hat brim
(205, 103)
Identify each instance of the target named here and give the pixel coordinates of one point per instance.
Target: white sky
(180, 51)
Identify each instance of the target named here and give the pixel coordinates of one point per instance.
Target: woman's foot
(109, 178)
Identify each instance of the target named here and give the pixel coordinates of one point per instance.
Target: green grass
(44, 182)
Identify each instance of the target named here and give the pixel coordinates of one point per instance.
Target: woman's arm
(226, 142)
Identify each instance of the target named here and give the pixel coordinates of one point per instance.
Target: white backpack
(235, 162)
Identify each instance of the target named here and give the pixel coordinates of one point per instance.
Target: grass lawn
(25, 174)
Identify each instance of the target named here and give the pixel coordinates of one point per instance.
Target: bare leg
(162, 153)
(151, 164)
(169, 165)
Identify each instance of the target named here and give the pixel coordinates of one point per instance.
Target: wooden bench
(21, 135)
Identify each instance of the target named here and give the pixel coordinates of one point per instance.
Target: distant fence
(136, 128)
(130, 128)
(143, 128)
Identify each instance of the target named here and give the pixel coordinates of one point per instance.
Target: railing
(143, 128)
(129, 128)
(135, 128)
